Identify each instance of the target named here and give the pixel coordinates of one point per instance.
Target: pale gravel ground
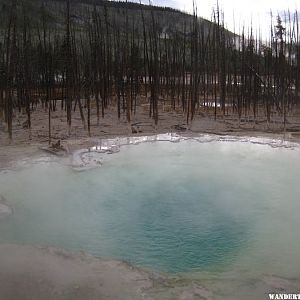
(45, 273)
(26, 144)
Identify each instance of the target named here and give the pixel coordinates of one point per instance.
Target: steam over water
(185, 207)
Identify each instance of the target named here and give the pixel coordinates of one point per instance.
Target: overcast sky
(243, 10)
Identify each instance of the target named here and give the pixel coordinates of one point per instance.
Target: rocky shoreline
(91, 157)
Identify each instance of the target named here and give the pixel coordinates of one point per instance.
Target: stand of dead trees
(112, 57)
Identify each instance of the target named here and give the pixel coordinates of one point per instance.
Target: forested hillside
(168, 19)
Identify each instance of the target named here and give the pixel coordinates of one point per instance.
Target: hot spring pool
(183, 207)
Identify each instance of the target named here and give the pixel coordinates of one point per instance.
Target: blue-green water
(172, 207)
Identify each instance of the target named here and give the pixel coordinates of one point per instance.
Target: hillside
(168, 20)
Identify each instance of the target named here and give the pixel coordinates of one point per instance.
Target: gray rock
(5, 209)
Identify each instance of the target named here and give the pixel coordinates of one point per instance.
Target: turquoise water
(172, 207)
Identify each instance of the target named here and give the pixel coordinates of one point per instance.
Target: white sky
(243, 10)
